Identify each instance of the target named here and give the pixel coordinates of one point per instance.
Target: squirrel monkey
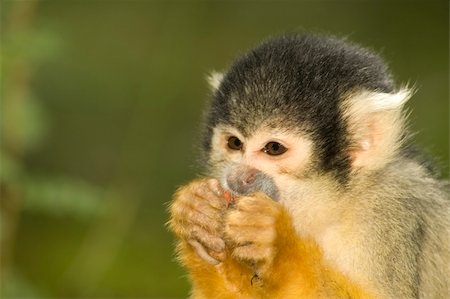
(312, 188)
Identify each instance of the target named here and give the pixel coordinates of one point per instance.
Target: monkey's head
(299, 107)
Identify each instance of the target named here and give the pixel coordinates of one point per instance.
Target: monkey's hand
(196, 218)
(251, 230)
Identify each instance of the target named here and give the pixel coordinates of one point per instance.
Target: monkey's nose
(242, 179)
(245, 180)
(250, 178)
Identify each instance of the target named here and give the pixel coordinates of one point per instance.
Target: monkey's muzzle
(245, 180)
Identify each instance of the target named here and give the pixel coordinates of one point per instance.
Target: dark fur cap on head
(297, 82)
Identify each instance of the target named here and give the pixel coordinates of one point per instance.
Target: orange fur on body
(296, 271)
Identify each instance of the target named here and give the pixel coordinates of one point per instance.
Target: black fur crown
(298, 81)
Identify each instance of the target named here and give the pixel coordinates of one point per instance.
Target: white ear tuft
(214, 80)
(379, 101)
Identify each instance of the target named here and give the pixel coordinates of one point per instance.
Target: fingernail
(220, 256)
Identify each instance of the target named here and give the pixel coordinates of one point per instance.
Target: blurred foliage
(100, 107)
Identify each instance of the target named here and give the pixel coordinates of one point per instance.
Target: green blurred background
(101, 102)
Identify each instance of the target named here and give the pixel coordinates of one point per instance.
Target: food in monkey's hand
(229, 198)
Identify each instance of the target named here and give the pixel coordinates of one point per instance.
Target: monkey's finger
(213, 197)
(201, 194)
(239, 234)
(196, 212)
(220, 256)
(214, 186)
(259, 203)
(200, 250)
(253, 253)
(244, 219)
(207, 239)
(207, 190)
(204, 217)
(210, 240)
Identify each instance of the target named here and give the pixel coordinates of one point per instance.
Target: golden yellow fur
(288, 267)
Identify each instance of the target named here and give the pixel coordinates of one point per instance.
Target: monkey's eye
(274, 148)
(234, 143)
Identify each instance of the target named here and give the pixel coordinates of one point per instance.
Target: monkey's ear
(380, 101)
(214, 79)
(376, 124)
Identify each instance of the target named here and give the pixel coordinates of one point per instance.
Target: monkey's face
(302, 109)
(270, 160)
